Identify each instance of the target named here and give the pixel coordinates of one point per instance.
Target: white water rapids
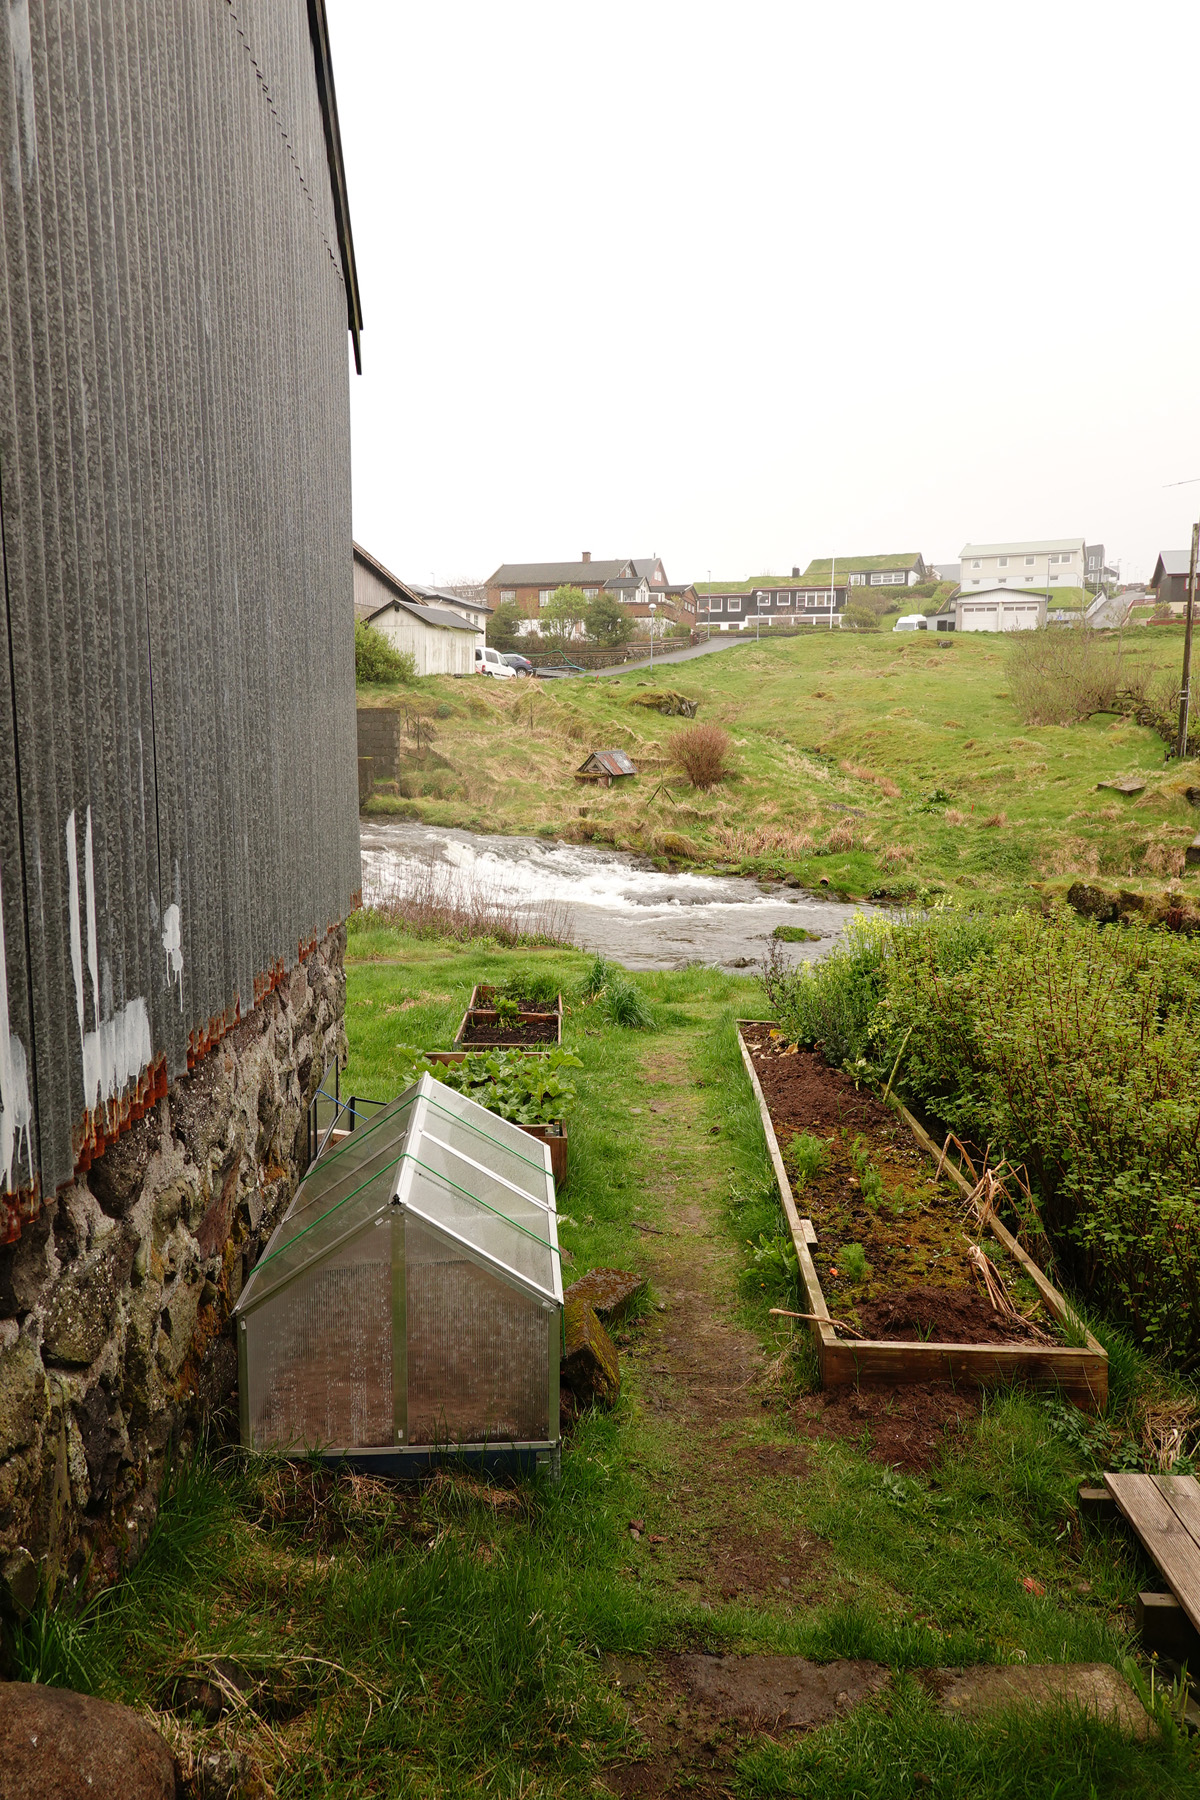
(618, 904)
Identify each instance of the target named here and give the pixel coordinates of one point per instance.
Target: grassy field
(517, 1641)
(889, 765)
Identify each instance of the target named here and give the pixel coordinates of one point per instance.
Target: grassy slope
(460, 1634)
(831, 730)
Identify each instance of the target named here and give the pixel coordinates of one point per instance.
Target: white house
(1049, 562)
(999, 609)
(440, 636)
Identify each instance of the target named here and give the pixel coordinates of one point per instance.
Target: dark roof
(615, 762)
(646, 565)
(448, 596)
(619, 583)
(557, 574)
(440, 616)
(319, 32)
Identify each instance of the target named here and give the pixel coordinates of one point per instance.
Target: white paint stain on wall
(15, 1110)
(171, 944)
(119, 1047)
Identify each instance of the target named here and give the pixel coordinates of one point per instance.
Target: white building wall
(998, 611)
(1020, 567)
(437, 651)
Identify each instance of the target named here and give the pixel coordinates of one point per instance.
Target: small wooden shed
(605, 767)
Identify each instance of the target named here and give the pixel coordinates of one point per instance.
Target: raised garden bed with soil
(884, 1245)
(509, 1022)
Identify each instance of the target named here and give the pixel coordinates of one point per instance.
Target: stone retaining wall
(114, 1303)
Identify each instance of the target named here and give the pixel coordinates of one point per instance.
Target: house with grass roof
(768, 600)
(901, 569)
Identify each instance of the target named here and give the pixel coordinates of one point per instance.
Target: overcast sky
(747, 283)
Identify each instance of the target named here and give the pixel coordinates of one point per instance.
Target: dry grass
(1160, 858)
(952, 816)
(1070, 856)
(843, 837)
(993, 820)
(762, 840)
(702, 752)
(897, 856)
(884, 783)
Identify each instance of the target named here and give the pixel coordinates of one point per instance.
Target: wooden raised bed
(553, 1135)
(531, 1030)
(1081, 1374)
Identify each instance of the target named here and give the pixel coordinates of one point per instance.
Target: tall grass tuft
(702, 752)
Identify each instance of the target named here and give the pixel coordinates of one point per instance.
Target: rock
(589, 1365)
(1093, 902)
(783, 1692)
(85, 1303)
(610, 1293)
(967, 1693)
(1191, 856)
(56, 1745)
(1129, 786)
(22, 1395)
(1192, 796)
(226, 1775)
(666, 700)
(116, 1177)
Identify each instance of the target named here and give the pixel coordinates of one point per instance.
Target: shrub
(607, 622)
(376, 660)
(828, 1005)
(702, 752)
(1059, 674)
(504, 627)
(861, 615)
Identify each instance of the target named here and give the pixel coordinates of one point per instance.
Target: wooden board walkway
(1164, 1510)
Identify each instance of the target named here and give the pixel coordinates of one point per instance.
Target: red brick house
(636, 581)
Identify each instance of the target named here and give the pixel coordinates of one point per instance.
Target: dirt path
(712, 1430)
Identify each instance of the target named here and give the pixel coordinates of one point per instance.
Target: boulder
(1093, 902)
(1095, 1687)
(589, 1365)
(666, 700)
(610, 1293)
(56, 1745)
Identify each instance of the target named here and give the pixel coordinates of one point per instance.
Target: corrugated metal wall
(178, 815)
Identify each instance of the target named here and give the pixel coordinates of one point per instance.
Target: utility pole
(652, 638)
(1185, 686)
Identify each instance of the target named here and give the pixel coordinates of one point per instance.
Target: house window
(888, 578)
(1054, 559)
(1029, 565)
(975, 564)
(735, 606)
(590, 593)
(782, 599)
(1065, 557)
(507, 594)
(544, 596)
(1003, 561)
(857, 580)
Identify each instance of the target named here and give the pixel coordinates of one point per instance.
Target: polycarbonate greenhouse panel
(478, 1349)
(319, 1351)
(411, 1299)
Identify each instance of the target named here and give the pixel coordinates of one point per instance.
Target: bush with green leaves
(829, 1004)
(607, 623)
(608, 984)
(377, 661)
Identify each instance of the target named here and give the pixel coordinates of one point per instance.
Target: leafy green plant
(528, 1090)
(506, 1010)
(828, 1005)
(852, 1261)
(810, 1156)
(621, 999)
(870, 1181)
(775, 1261)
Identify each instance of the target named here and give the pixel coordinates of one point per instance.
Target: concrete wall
(114, 1301)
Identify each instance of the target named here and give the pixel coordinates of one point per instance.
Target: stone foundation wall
(115, 1340)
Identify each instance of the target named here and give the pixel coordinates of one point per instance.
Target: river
(618, 904)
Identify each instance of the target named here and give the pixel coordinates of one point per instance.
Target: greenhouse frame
(409, 1305)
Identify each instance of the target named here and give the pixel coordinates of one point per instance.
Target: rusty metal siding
(176, 648)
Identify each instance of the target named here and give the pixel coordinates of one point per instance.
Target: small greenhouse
(409, 1304)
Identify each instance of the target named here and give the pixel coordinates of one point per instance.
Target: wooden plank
(808, 1272)
(1169, 1543)
(810, 1233)
(1182, 1495)
(1165, 1629)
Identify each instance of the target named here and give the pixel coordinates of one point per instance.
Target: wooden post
(1185, 688)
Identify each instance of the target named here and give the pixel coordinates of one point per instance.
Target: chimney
(795, 574)
(587, 556)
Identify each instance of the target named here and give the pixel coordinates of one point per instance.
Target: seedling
(854, 1264)
(810, 1156)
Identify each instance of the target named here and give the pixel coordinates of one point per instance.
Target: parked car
(520, 665)
(490, 662)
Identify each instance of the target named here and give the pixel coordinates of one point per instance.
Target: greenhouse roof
(474, 1178)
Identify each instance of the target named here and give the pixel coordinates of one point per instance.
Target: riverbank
(538, 1641)
(889, 766)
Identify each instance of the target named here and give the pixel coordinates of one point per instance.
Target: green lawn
(885, 764)
(462, 1638)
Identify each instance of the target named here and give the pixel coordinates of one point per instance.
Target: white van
(911, 622)
(490, 662)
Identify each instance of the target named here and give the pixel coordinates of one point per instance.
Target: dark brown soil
(907, 1428)
(483, 1028)
(915, 1234)
(944, 1316)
